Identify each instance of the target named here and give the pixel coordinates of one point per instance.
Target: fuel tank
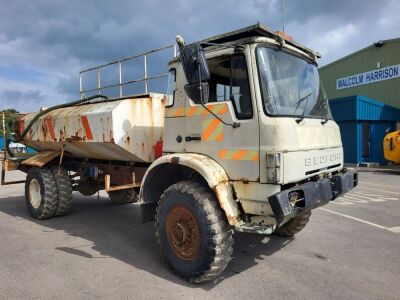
(124, 130)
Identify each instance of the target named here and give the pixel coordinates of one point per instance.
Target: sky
(45, 43)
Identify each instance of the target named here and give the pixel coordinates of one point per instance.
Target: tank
(123, 130)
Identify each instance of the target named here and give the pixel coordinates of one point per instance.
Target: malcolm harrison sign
(368, 77)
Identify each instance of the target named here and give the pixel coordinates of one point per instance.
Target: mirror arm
(234, 124)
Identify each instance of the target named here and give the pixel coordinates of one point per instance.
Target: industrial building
(364, 93)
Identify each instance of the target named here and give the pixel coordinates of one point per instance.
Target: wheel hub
(183, 232)
(34, 193)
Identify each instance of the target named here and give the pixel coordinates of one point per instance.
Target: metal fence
(122, 83)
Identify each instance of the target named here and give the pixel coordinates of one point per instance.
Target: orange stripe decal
(179, 112)
(86, 126)
(255, 157)
(50, 128)
(239, 154)
(249, 155)
(223, 109)
(220, 137)
(222, 153)
(210, 129)
(191, 111)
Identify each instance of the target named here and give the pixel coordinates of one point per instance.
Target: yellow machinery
(391, 146)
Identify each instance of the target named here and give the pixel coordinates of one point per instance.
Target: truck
(243, 140)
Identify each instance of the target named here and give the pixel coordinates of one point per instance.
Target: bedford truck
(243, 140)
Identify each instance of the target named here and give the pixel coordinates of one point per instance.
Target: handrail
(120, 84)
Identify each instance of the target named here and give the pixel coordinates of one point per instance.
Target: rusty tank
(121, 130)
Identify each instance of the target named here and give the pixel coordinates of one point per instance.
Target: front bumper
(311, 195)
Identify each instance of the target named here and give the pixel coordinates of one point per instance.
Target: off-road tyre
(213, 233)
(41, 193)
(64, 191)
(294, 225)
(123, 196)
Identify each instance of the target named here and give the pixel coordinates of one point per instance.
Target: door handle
(192, 138)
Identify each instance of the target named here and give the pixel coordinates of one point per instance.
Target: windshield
(290, 85)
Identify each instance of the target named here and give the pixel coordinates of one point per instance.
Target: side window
(229, 82)
(171, 87)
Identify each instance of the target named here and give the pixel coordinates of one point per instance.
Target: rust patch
(43, 131)
(231, 213)
(19, 127)
(183, 232)
(75, 138)
(48, 127)
(233, 220)
(62, 137)
(127, 142)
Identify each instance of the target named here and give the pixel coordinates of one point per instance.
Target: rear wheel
(64, 191)
(41, 193)
(193, 235)
(123, 196)
(294, 225)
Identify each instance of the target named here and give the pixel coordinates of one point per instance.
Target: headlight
(273, 167)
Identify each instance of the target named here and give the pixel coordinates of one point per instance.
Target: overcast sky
(44, 44)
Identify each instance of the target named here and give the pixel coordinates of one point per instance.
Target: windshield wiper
(322, 102)
(301, 118)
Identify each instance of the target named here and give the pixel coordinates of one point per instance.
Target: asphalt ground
(349, 250)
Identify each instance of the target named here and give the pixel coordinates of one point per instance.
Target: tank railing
(121, 83)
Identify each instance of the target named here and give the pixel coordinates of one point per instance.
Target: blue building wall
(350, 113)
(348, 132)
(378, 132)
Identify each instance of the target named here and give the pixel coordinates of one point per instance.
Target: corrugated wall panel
(370, 109)
(348, 131)
(378, 131)
(343, 109)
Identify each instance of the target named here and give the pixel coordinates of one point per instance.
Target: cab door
(226, 129)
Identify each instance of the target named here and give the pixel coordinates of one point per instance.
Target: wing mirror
(196, 72)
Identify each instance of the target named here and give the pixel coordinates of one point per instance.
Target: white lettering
(368, 77)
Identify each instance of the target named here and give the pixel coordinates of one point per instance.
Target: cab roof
(256, 30)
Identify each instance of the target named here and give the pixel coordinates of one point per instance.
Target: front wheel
(193, 235)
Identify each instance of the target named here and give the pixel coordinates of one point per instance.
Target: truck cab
(266, 122)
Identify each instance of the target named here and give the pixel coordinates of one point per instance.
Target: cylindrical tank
(124, 130)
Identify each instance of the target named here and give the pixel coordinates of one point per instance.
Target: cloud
(44, 44)
(23, 100)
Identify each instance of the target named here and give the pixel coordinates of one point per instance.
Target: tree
(10, 115)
